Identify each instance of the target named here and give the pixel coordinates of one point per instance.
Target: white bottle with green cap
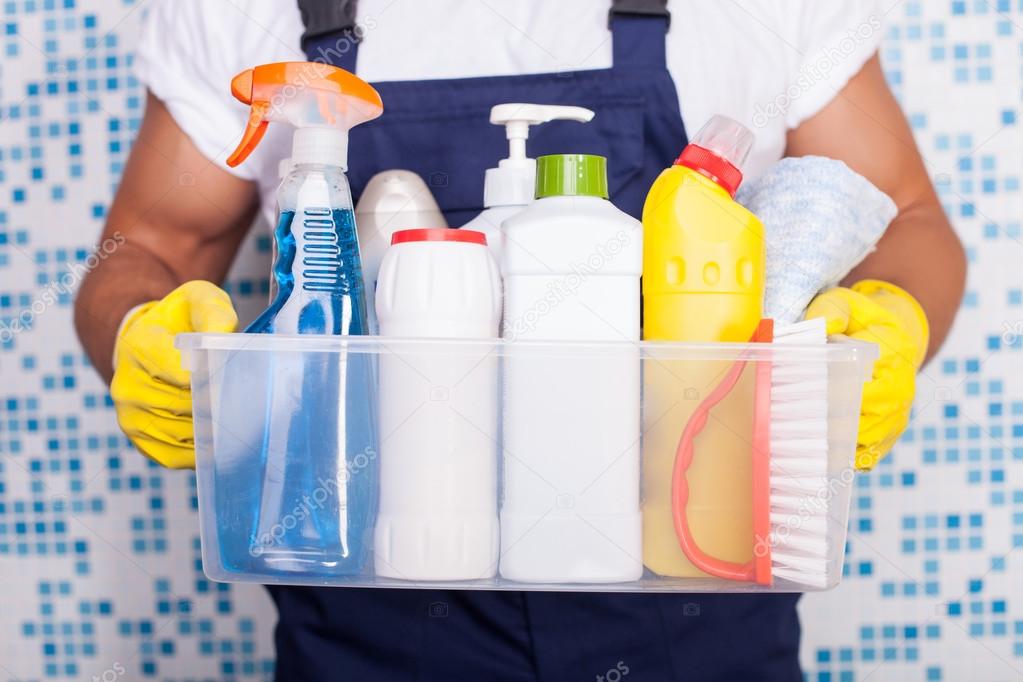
(509, 188)
(571, 264)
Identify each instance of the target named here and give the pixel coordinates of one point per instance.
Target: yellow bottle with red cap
(703, 281)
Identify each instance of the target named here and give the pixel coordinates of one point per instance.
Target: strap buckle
(643, 8)
(325, 17)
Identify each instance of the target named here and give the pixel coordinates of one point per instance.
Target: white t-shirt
(770, 64)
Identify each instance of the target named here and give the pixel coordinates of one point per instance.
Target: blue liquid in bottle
(317, 496)
(329, 278)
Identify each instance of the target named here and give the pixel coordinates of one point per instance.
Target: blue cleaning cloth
(821, 219)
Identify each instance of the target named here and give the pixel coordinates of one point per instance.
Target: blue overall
(440, 129)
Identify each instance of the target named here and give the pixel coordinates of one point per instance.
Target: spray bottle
(322, 103)
(393, 200)
(703, 281)
(319, 290)
(510, 187)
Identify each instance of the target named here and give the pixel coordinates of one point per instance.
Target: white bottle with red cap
(393, 200)
(438, 407)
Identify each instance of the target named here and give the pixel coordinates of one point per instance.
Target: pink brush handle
(728, 570)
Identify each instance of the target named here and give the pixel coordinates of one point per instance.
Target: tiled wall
(99, 565)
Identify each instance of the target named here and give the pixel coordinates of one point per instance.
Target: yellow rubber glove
(884, 314)
(151, 392)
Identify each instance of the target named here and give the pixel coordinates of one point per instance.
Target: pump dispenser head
(513, 182)
(718, 151)
(322, 102)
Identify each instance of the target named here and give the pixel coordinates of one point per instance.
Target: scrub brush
(797, 544)
(789, 466)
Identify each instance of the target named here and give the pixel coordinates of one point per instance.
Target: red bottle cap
(715, 167)
(438, 234)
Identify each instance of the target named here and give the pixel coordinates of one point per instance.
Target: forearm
(864, 127)
(128, 277)
(921, 253)
(176, 217)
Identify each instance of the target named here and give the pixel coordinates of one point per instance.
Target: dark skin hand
(183, 218)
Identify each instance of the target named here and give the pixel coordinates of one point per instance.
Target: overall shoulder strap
(327, 22)
(638, 27)
(643, 8)
(638, 30)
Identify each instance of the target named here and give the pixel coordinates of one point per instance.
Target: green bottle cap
(571, 175)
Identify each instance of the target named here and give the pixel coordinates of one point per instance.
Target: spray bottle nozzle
(306, 95)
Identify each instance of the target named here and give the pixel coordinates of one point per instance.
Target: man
(803, 75)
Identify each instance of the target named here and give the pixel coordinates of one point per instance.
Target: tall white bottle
(571, 428)
(393, 200)
(438, 408)
(509, 188)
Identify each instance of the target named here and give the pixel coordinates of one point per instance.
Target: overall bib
(440, 129)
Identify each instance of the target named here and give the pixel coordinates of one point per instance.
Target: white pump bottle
(510, 187)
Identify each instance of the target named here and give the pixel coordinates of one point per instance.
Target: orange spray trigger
(241, 86)
(254, 131)
(306, 95)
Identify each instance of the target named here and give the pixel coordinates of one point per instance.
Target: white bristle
(797, 455)
(802, 486)
(807, 331)
(799, 460)
(804, 573)
(802, 550)
(808, 525)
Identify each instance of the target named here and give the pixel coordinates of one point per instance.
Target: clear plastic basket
(384, 462)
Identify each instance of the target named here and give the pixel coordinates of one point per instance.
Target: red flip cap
(439, 234)
(708, 163)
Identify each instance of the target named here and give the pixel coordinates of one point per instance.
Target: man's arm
(176, 217)
(864, 127)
